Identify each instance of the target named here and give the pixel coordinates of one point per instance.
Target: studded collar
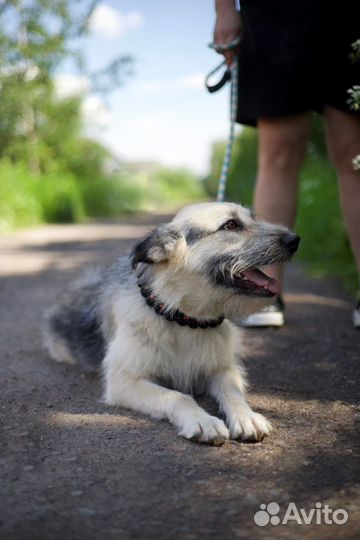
(175, 315)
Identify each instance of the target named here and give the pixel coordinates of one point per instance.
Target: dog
(157, 323)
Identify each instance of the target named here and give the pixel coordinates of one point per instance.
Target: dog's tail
(72, 330)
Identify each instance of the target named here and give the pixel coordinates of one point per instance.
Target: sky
(163, 113)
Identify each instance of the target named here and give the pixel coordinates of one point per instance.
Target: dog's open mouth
(253, 282)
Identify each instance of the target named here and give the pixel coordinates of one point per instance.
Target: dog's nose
(290, 241)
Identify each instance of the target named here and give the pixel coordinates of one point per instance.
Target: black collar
(175, 315)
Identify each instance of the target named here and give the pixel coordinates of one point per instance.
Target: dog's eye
(231, 225)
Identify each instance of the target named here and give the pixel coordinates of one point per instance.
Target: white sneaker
(269, 316)
(356, 315)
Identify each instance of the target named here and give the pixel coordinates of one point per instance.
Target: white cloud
(194, 81)
(93, 109)
(111, 23)
(67, 86)
(155, 138)
(147, 123)
(95, 112)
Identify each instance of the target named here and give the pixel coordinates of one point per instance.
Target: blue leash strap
(231, 73)
(230, 143)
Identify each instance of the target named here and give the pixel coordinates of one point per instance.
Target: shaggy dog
(157, 321)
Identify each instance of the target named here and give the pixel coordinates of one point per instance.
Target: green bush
(110, 196)
(243, 166)
(171, 188)
(19, 205)
(27, 199)
(59, 197)
(324, 242)
(67, 196)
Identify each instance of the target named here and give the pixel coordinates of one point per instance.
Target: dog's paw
(205, 429)
(248, 426)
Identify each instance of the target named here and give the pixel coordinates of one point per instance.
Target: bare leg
(282, 147)
(343, 142)
(227, 387)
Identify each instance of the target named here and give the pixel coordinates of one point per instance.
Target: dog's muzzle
(253, 281)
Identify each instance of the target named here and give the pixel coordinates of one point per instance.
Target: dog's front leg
(227, 387)
(123, 388)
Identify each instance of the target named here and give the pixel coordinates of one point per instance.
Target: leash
(230, 74)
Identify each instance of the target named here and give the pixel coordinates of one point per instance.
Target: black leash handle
(219, 47)
(224, 79)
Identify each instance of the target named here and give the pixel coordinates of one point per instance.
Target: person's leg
(282, 147)
(343, 142)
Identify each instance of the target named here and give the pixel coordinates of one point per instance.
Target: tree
(36, 36)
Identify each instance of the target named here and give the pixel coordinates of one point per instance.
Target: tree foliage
(49, 170)
(36, 36)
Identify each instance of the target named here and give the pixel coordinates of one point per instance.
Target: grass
(62, 197)
(325, 245)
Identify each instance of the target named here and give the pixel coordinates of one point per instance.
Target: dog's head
(208, 259)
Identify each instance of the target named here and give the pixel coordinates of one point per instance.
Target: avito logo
(269, 514)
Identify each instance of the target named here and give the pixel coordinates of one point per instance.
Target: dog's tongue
(262, 280)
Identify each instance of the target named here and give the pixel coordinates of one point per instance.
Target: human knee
(284, 152)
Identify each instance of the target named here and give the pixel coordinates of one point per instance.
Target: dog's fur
(154, 365)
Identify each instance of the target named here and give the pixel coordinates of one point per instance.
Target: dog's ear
(156, 247)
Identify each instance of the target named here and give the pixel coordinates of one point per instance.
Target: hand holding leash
(228, 29)
(221, 49)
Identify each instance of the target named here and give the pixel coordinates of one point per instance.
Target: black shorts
(294, 57)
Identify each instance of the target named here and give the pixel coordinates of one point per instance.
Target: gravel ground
(75, 469)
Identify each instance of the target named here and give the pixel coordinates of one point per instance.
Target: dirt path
(75, 469)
